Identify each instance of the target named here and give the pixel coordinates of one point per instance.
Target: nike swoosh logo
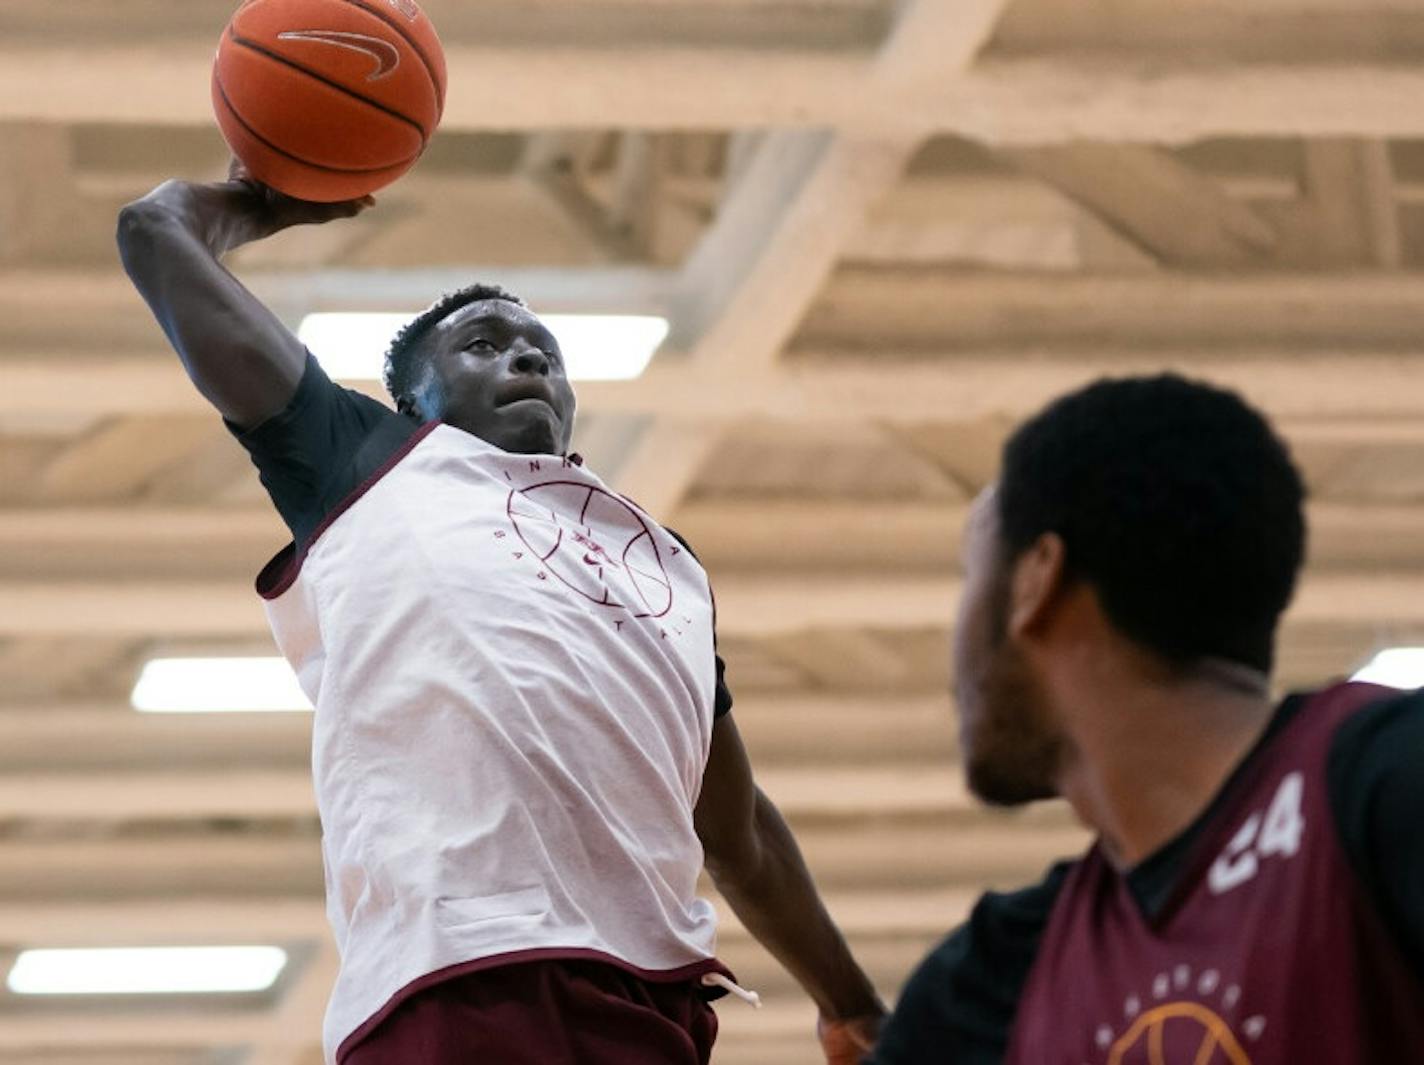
(383, 52)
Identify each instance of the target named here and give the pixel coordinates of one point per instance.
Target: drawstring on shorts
(751, 998)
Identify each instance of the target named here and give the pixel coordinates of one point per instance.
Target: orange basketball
(328, 100)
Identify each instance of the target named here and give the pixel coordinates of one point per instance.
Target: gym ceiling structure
(882, 233)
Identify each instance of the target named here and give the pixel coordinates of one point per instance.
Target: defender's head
(1157, 520)
(481, 361)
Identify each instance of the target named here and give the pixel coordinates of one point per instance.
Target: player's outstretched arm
(758, 868)
(238, 353)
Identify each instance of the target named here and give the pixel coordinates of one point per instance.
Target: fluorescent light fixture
(1396, 667)
(217, 685)
(596, 347)
(146, 971)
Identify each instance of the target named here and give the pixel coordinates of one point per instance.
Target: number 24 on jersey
(1276, 831)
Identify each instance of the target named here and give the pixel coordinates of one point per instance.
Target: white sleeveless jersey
(513, 674)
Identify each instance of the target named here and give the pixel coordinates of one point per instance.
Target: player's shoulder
(1380, 738)
(1375, 781)
(323, 446)
(1008, 921)
(319, 408)
(1384, 713)
(960, 1002)
(1340, 718)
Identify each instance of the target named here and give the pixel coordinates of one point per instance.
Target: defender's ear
(1038, 578)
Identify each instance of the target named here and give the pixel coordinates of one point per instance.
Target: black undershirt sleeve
(958, 1007)
(1376, 781)
(320, 448)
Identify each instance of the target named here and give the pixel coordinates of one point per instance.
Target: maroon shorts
(552, 1012)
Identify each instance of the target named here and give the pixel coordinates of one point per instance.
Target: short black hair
(401, 365)
(1175, 500)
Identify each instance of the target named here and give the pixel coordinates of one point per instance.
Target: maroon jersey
(1269, 953)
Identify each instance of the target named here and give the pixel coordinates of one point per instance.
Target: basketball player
(522, 748)
(1255, 893)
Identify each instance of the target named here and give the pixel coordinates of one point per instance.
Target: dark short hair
(401, 362)
(1175, 500)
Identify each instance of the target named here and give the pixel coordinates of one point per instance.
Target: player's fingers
(845, 1042)
(326, 212)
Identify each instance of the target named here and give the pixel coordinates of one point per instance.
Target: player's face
(497, 372)
(1008, 742)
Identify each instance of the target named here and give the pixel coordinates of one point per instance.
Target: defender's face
(497, 372)
(1007, 740)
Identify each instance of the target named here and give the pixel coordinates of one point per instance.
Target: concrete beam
(752, 606)
(1001, 100)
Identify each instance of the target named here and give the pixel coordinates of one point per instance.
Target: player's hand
(228, 214)
(848, 1040)
(269, 211)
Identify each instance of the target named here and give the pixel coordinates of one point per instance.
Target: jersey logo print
(594, 543)
(1184, 1018)
(383, 52)
(1145, 1039)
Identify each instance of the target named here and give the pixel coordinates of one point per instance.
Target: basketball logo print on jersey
(1181, 1020)
(595, 543)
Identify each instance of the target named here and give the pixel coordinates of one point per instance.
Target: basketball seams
(237, 116)
(292, 64)
(415, 45)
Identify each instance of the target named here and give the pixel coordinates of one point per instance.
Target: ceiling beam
(662, 462)
(825, 535)
(870, 310)
(1345, 216)
(1179, 216)
(750, 605)
(805, 194)
(37, 193)
(88, 867)
(777, 237)
(125, 796)
(116, 737)
(1001, 100)
(966, 386)
(168, 921)
(837, 791)
(866, 311)
(863, 536)
(906, 388)
(846, 854)
(283, 919)
(783, 729)
(785, 224)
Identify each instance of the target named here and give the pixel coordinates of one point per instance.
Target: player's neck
(1146, 757)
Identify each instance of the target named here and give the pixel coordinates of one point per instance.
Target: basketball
(328, 100)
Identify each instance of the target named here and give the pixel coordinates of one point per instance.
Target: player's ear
(422, 400)
(1038, 577)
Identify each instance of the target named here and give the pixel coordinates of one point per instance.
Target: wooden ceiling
(883, 233)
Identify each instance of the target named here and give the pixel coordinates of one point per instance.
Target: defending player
(1256, 892)
(522, 742)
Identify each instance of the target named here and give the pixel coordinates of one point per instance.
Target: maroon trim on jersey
(691, 971)
(281, 572)
(1226, 815)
